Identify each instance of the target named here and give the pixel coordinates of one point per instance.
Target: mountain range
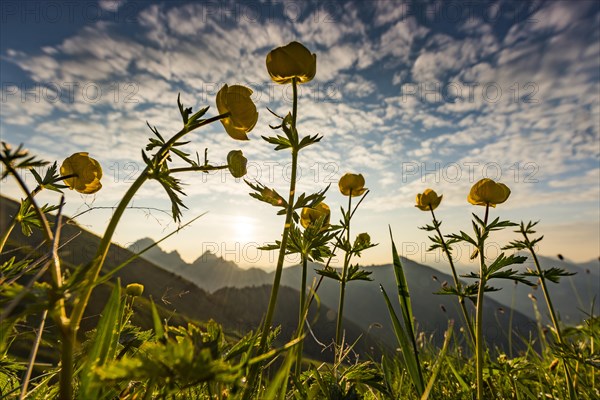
(365, 304)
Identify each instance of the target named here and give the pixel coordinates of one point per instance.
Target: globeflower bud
(134, 289)
(236, 162)
(362, 240)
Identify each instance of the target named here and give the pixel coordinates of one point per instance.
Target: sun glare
(243, 229)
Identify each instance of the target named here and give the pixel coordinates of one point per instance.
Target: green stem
(253, 372)
(202, 168)
(302, 313)
(6, 233)
(479, 316)
(284, 238)
(461, 300)
(68, 337)
(338, 330)
(572, 393)
(312, 296)
(33, 355)
(105, 242)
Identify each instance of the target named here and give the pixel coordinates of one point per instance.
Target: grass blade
(104, 343)
(440, 359)
(410, 360)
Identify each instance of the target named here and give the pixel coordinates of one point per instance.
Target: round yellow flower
(134, 289)
(86, 173)
(352, 183)
(236, 100)
(291, 61)
(428, 200)
(487, 192)
(236, 162)
(309, 216)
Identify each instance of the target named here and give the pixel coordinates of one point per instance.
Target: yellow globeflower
(428, 200)
(134, 289)
(352, 182)
(311, 215)
(291, 61)
(236, 100)
(488, 192)
(236, 162)
(85, 173)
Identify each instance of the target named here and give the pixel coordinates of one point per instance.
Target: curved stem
(461, 300)
(102, 252)
(69, 333)
(105, 242)
(7, 232)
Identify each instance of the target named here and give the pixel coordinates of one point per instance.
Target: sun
(243, 229)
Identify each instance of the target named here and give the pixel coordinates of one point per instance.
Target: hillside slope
(364, 302)
(238, 310)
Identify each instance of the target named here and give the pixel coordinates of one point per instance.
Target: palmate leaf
(511, 275)
(185, 112)
(427, 228)
(329, 272)
(502, 261)
(50, 179)
(311, 200)
(267, 195)
(173, 365)
(28, 217)
(309, 140)
(496, 225)
(18, 158)
(355, 273)
(172, 186)
(280, 142)
(290, 132)
(463, 237)
(11, 268)
(553, 274)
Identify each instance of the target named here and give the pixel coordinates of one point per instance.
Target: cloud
(367, 100)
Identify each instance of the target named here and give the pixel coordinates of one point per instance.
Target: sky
(413, 95)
